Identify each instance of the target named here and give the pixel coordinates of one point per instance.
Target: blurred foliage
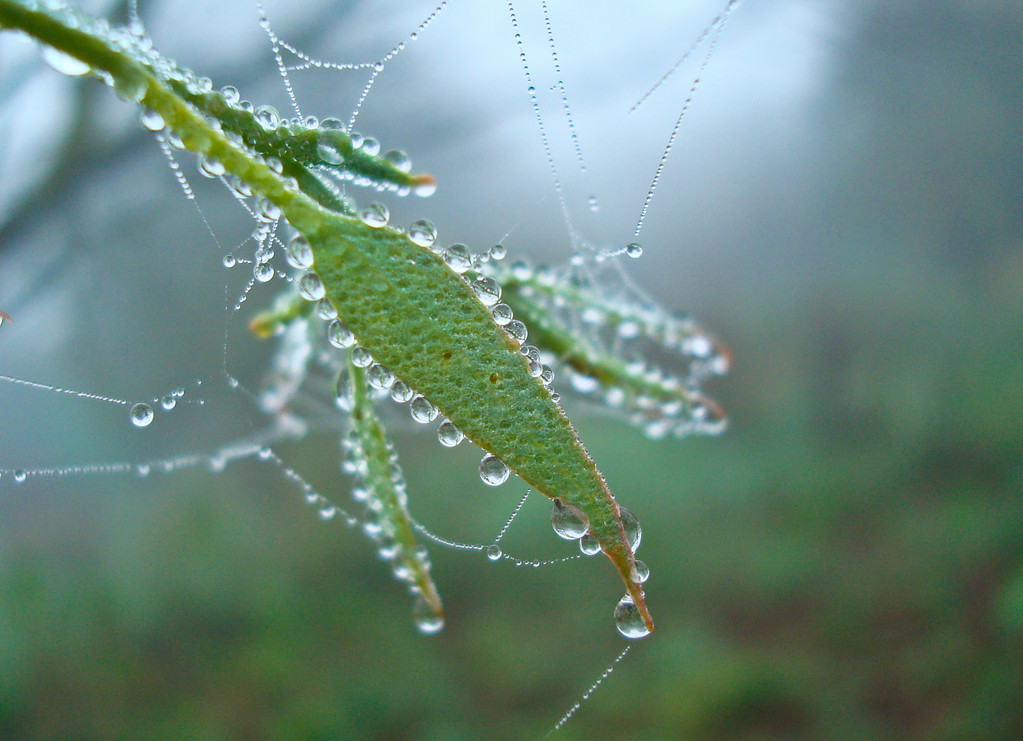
(845, 563)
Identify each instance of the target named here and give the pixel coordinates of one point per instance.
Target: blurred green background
(844, 209)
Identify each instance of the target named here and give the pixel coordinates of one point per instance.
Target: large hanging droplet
(426, 618)
(568, 521)
(64, 63)
(589, 545)
(628, 619)
(494, 552)
(493, 471)
(633, 532)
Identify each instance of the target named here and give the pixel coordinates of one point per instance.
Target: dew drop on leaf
(375, 215)
(298, 252)
(589, 545)
(400, 392)
(141, 415)
(502, 313)
(151, 120)
(210, 167)
(568, 521)
(426, 619)
(458, 258)
(516, 330)
(628, 619)
(339, 335)
(423, 410)
(487, 290)
(399, 159)
(493, 471)
(361, 357)
(422, 232)
(63, 63)
(642, 572)
(633, 532)
(448, 434)
(310, 287)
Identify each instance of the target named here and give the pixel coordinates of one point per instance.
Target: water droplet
(168, 402)
(628, 620)
(141, 415)
(267, 116)
(325, 310)
(229, 261)
(516, 330)
(633, 532)
(327, 512)
(589, 545)
(20, 476)
(594, 205)
(298, 252)
(379, 377)
(399, 159)
(426, 188)
(375, 215)
(423, 410)
(494, 552)
(426, 618)
(422, 232)
(641, 572)
(210, 167)
(458, 258)
(332, 124)
(493, 471)
(448, 434)
(370, 146)
(310, 287)
(487, 290)
(498, 252)
(263, 272)
(151, 120)
(63, 63)
(634, 249)
(230, 93)
(329, 152)
(400, 392)
(502, 313)
(568, 521)
(361, 357)
(267, 211)
(339, 335)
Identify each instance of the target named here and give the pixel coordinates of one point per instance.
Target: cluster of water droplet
(652, 364)
(571, 523)
(379, 524)
(142, 414)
